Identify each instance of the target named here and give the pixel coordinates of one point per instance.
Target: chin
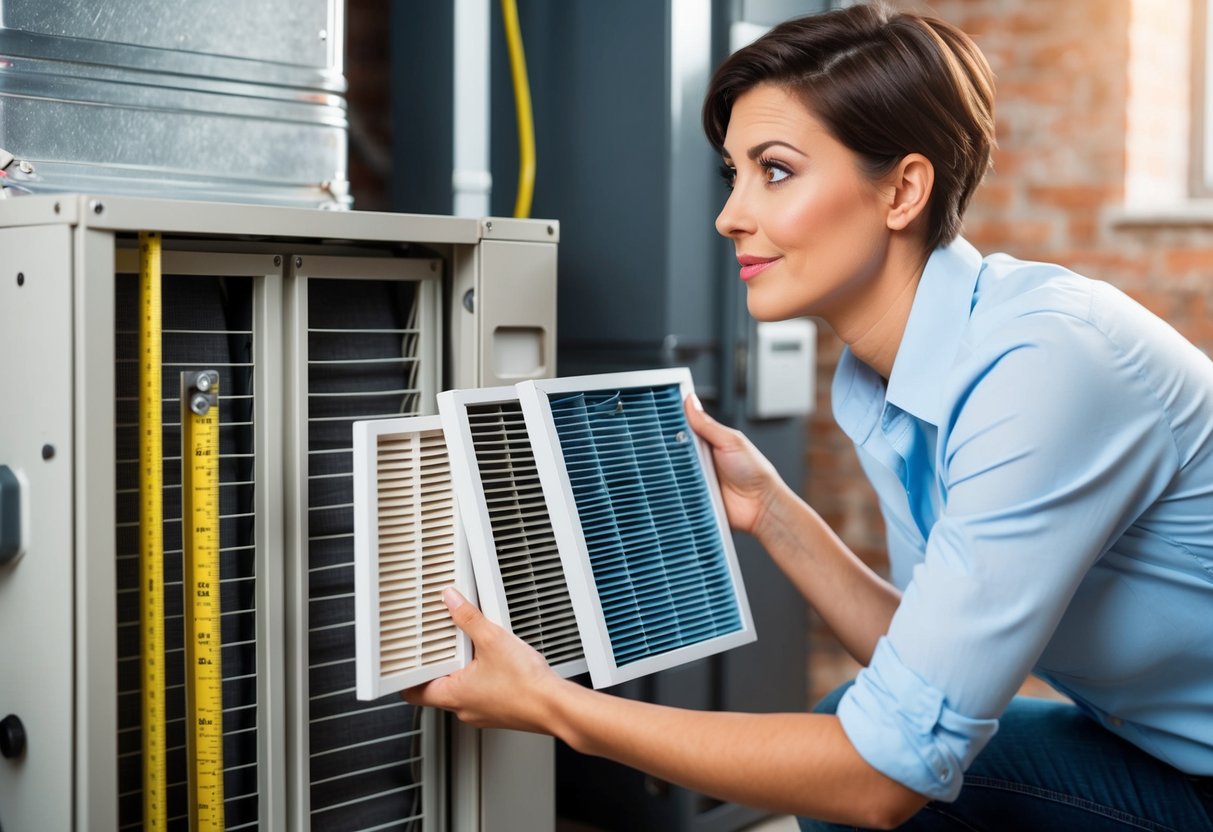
(768, 312)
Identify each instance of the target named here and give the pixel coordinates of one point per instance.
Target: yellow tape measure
(151, 536)
(200, 539)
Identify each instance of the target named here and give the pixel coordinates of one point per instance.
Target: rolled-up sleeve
(905, 729)
(1052, 446)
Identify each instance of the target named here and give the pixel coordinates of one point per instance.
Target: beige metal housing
(483, 313)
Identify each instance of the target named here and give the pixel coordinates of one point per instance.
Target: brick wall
(1063, 75)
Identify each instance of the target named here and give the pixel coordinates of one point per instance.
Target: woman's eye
(775, 173)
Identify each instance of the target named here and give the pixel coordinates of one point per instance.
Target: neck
(873, 331)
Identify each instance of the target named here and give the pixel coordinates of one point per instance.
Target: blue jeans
(1049, 767)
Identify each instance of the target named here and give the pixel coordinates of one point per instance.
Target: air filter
(637, 516)
(519, 575)
(408, 547)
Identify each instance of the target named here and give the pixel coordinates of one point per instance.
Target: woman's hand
(749, 483)
(506, 685)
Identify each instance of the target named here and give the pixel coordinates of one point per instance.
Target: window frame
(1200, 184)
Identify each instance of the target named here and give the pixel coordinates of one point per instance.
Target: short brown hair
(885, 84)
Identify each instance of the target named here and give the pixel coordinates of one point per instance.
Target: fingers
(716, 434)
(466, 616)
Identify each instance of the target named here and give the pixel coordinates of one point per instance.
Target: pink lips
(752, 266)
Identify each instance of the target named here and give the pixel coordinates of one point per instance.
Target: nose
(734, 219)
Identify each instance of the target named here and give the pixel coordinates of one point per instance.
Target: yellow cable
(522, 107)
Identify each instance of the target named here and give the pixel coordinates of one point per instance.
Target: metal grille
(537, 597)
(365, 757)
(207, 324)
(416, 551)
(649, 524)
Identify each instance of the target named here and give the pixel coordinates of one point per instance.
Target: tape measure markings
(151, 536)
(200, 542)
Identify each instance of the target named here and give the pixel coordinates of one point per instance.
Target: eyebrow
(758, 149)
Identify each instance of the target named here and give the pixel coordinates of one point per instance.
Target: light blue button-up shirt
(1043, 456)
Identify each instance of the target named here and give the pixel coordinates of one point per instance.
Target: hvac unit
(313, 320)
(593, 518)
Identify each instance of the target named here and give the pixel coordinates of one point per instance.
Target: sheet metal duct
(221, 100)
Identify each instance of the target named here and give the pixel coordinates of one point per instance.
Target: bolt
(277, 259)
(20, 278)
(48, 451)
(551, 230)
(298, 262)
(200, 404)
(57, 209)
(488, 226)
(98, 208)
(324, 35)
(681, 436)
(203, 382)
(26, 167)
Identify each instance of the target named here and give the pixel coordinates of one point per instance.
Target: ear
(910, 185)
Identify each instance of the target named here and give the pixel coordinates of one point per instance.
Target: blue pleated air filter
(519, 575)
(638, 518)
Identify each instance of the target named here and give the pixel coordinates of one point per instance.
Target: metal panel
(36, 603)
(96, 749)
(516, 306)
(138, 98)
(281, 31)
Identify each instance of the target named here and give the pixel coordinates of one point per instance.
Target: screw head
(48, 452)
(20, 278)
(551, 230)
(488, 226)
(298, 262)
(98, 208)
(277, 259)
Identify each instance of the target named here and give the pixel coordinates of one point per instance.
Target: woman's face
(808, 227)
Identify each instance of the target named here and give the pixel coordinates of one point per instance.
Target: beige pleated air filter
(408, 547)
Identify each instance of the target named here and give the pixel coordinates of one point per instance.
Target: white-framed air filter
(408, 547)
(519, 574)
(639, 521)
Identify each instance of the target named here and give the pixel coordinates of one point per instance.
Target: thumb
(716, 434)
(465, 615)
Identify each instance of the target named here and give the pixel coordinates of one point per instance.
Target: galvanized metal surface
(301, 32)
(215, 99)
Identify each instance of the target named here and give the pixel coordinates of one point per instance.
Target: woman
(1042, 449)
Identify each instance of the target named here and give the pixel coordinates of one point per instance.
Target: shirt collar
(938, 317)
